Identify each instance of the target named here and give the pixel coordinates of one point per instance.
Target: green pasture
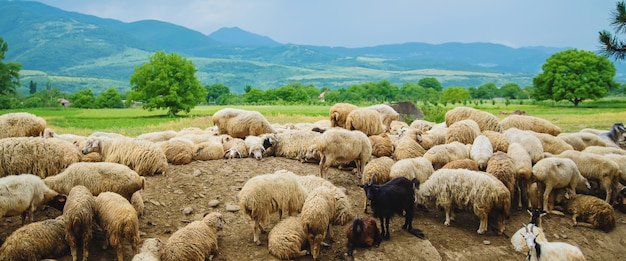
(135, 121)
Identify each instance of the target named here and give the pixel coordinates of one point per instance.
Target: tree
(574, 76)
(486, 91)
(83, 99)
(215, 91)
(32, 87)
(511, 91)
(9, 75)
(109, 99)
(454, 95)
(430, 82)
(612, 46)
(168, 81)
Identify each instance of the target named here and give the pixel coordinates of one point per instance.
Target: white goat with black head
(549, 250)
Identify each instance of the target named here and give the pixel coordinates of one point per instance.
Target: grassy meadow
(135, 121)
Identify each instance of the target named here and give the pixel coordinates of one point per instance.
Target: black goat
(615, 134)
(391, 198)
(535, 216)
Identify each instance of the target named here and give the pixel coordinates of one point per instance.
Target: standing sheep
(408, 146)
(595, 167)
(117, 217)
(466, 189)
(342, 146)
(463, 131)
(196, 241)
(265, 194)
(532, 144)
(441, 154)
(501, 166)
(554, 173)
(98, 177)
(286, 239)
(343, 207)
(317, 213)
(79, 213)
(419, 168)
(552, 144)
(381, 145)
(387, 114)
(365, 120)
(481, 151)
(241, 123)
(498, 140)
(462, 164)
(144, 157)
(22, 194)
(339, 113)
(36, 241)
(137, 201)
(523, 166)
(531, 123)
(485, 120)
(21, 124)
(41, 157)
(581, 140)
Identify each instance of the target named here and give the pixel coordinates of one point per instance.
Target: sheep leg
(546, 195)
(119, 251)
(256, 227)
(606, 183)
(71, 240)
(447, 210)
(501, 225)
(322, 165)
(85, 247)
(484, 217)
(574, 216)
(365, 204)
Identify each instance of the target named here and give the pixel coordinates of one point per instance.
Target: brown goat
(363, 233)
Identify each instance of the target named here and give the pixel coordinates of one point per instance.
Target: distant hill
(75, 51)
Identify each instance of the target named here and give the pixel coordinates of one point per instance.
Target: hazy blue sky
(359, 23)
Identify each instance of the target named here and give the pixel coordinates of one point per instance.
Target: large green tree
(168, 81)
(511, 91)
(430, 82)
(455, 95)
(611, 44)
(214, 91)
(9, 78)
(110, 98)
(574, 76)
(83, 99)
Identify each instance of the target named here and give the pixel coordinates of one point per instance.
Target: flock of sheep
(472, 161)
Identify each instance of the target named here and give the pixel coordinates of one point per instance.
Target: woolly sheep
(552, 144)
(137, 201)
(408, 146)
(485, 120)
(265, 194)
(481, 151)
(376, 171)
(196, 241)
(462, 164)
(102, 134)
(343, 207)
(595, 167)
(420, 168)
(387, 114)
(435, 136)
(501, 166)
(38, 156)
(467, 189)
(117, 217)
(144, 157)
(77, 140)
(339, 113)
(22, 194)
(550, 250)
(286, 239)
(236, 148)
(98, 177)
(441, 154)
(79, 213)
(211, 149)
(589, 211)
(463, 131)
(254, 147)
(381, 145)
(21, 124)
(532, 123)
(556, 173)
(523, 171)
(341, 146)
(602, 150)
(177, 151)
(581, 140)
(317, 213)
(530, 142)
(498, 140)
(158, 136)
(241, 123)
(621, 162)
(365, 120)
(422, 125)
(149, 250)
(291, 145)
(396, 125)
(36, 241)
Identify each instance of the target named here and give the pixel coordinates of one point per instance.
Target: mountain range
(74, 51)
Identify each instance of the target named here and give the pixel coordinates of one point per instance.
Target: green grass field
(135, 121)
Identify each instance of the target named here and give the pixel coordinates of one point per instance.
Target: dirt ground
(197, 183)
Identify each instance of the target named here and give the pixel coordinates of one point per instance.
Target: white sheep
(539, 251)
(602, 150)
(408, 146)
(254, 147)
(463, 131)
(523, 166)
(467, 189)
(420, 168)
(150, 250)
(341, 146)
(381, 145)
(552, 144)
(158, 136)
(481, 151)
(365, 120)
(196, 241)
(211, 149)
(39, 156)
(21, 124)
(241, 123)
(462, 164)
(265, 194)
(178, 151)
(343, 206)
(595, 167)
(79, 213)
(396, 125)
(485, 120)
(422, 125)
(23, 194)
(98, 177)
(144, 157)
(435, 136)
(531, 123)
(387, 114)
(235, 148)
(286, 239)
(498, 140)
(556, 173)
(339, 113)
(291, 144)
(117, 217)
(441, 154)
(581, 140)
(36, 241)
(77, 140)
(137, 201)
(530, 142)
(317, 213)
